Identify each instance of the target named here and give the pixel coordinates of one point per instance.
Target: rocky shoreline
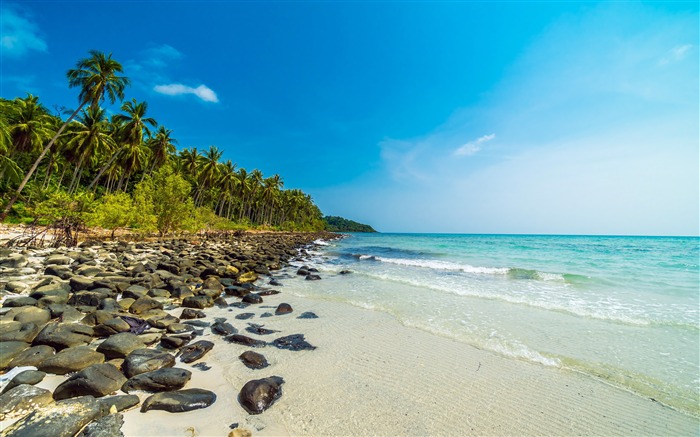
(120, 320)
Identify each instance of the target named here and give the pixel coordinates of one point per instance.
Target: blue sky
(483, 117)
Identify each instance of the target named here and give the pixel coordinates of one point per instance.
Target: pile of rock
(99, 314)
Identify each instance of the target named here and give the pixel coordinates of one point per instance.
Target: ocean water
(625, 310)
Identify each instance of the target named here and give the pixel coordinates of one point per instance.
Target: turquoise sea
(625, 310)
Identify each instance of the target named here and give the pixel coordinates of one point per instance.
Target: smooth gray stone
(9, 350)
(63, 335)
(168, 379)
(253, 360)
(32, 356)
(97, 380)
(72, 359)
(62, 418)
(179, 401)
(120, 345)
(195, 351)
(31, 377)
(17, 331)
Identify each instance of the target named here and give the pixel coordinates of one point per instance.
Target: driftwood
(62, 232)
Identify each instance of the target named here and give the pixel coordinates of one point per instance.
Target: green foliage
(59, 204)
(143, 215)
(340, 224)
(112, 212)
(172, 204)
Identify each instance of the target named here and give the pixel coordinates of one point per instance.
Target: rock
(23, 399)
(90, 297)
(97, 380)
(30, 377)
(120, 345)
(9, 350)
(31, 356)
(248, 277)
(30, 314)
(303, 271)
(120, 402)
(258, 395)
(235, 290)
(268, 292)
(64, 335)
(275, 283)
(58, 271)
(112, 326)
(146, 360)
(16, 331)
(223, 328)
(201, 366)
(107, 426)
(266, 314)
(190, 313)
(245, 341)
(17, 302)
(197, 323)
(181, 292)
(199, 302)
(220, 302)
(59, 260)
(14, 260)
(143, 304)
(72, 359)
(244, 316)
(195, 351)
(97, 318)
(345, 272)
(307, 315)
(135, 292)
(78, 283)
(158, 380)
(62, 418)
(158, 292)
(231, 270)
(64, 313)
(179, 401)
(173, 342)
(254, 328)
(294, 342)
(252, 298)
(283, 308)
(253, 360)
(311, 277)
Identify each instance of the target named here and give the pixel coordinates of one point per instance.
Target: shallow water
(621, 309)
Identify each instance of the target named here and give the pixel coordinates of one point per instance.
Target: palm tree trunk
(102, 170)
(31, 171)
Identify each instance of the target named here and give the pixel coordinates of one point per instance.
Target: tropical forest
(125, 171)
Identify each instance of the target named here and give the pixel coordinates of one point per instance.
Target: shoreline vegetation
(124, 171)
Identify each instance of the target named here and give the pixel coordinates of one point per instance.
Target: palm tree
(228, 183)
(89, 138)
(162, 146)
(97, 77)
(208, 173)
(133, 127)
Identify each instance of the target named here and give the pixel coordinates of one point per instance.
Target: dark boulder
(223, 328)
(252, 298)
(31, 356)
(168, 379)
(97, 380)
(294, 342)
(311, 277)
(179, 401)
(9, 350)
(30, 377)
(245, 341)
(254, 328)
(146, 360)
(63, 335)
(190, 313)
(283, 308)
(195, 351)
(244, 316)
(120, 345)
(22, 399)
(72, 359)
(16, 331)
(120, 402)
(258, 395)
(253, 360)
(106, 426)
(143, 304)
(20, 302)
(62, 418)
(307, 315)
(199, 302)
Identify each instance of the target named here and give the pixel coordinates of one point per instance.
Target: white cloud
(473, 147)
(159, 56)
(19, 35)
(175, 89)
(675, 54)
